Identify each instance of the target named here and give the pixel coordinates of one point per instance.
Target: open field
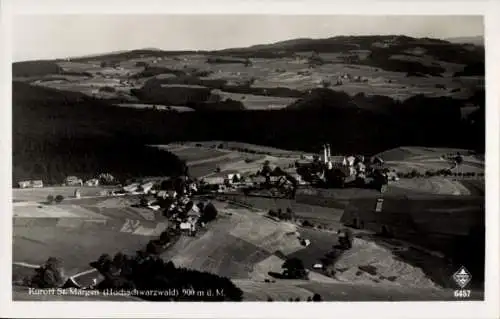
(405, 153)
(210, 167)
(40, 194)
(421, 159)
(92, 208)
(243, 245)
(234, 244)
(384, 263)
(193, 154)
(432, 213)
(322, 242)
(77, 248)
(434, 185)
(327, 216)
(257, 102)
(81, 230)
(204, 160)
(288, 72)
(232, 145)
(218, 253)
(475, 187)
(423, 166)
(291, 73)
(257, 163)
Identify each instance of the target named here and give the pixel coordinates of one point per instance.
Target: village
(185, 201)
(300, 198)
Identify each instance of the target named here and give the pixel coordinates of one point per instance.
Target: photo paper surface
(294, 160)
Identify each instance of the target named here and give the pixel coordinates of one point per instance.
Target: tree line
(61, 121)
(53, 160)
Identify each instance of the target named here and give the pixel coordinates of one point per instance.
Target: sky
(60, 36)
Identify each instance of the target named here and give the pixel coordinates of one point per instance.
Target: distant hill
(386, 44)
(46, 107)
(477, 40)
(454, 51)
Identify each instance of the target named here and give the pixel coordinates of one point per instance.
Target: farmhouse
(318, 266)
(188, 228)
(351, 160)
(73, 181)
(92, 182)
(360, 167)
(37, 184)
(146, 187)
(24, 184)
(131, 187)
(338, 161)
(192, 188)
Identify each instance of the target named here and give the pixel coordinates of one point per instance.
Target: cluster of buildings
(177, 206)
(186, 215)
(70, 181)
(222, 182)
(354, 165)
(30, 184)
(339, 171)
(75, 181)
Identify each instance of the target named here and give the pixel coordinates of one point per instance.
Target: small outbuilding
(37, 184)
(24, 184)
(92, 182)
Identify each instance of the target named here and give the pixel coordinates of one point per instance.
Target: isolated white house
(360, 167)
(92, 182)
(189, 227)
(37, 184)
(24, 184)
(131, 187)
(73, 181)
(350, 160)
(146, 187)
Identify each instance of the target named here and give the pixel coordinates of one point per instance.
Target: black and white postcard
(305, 160)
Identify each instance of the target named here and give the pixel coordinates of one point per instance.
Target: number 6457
(462, 293)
